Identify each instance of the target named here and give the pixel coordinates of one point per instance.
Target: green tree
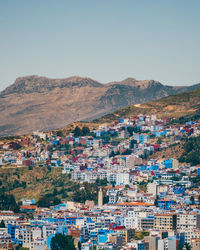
(85, 131)
(130, 130)
(55, 191)
(156, 201)
(112, 154)
(192, 151)
(62, 242)
(106, 137)
(159, 141)
(127, 152)
(79, 245)
(2, 224)
(77, 131)
(7, 202)
(132, 143)
(44, 202)
(192, 200)
(187, 246)
(59, 133)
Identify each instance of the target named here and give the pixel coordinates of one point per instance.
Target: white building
(188, 221)
(122, 179)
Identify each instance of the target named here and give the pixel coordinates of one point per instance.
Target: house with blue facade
(168, 163)
(165, 204)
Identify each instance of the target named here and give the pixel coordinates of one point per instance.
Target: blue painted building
(168, 163)
(142, 168)
(179, 190)
(164, 204)
(153, 167)
(103, 235)
(70, 220)
(11, 230)
(141, 138)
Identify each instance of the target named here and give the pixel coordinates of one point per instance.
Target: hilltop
(175, 106)
(40, 103)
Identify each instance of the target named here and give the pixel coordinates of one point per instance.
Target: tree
(105, 199)
(156, 201)
(127, 152)
(59, 133)
(112, 154)
(77, 131)
(101, 182)
(2, 224)
(62, 242)
(192, 200)
(130, 130)
(7, 202)
(44, 202)
(187, 246)
(159, 141)
(106, 137)
(85, 131)
(132, 143)
(79, 245)
(55, 192)
(48, 200)
(191, 152)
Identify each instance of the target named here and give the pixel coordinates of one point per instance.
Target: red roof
(134, 204)
(31, 207)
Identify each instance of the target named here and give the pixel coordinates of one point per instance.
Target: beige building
(175, 164)
(195, 244)
(165, 222)
(90, 204)
(100, 198)
(152, 188)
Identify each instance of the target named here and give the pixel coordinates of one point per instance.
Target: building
(195, 244)
(122, 179)
(170, 243)
(188, 221)
(165, 222)
(153, 242)
(152, 188)
(146, 223)
(100, 198)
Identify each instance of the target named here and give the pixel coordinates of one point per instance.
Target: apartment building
(188, 221)
(165, 222)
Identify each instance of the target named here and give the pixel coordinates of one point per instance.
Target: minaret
(100, 198)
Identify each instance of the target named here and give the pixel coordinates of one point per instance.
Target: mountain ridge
(40, 103)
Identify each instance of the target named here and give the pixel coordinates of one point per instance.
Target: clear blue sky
(103, 39)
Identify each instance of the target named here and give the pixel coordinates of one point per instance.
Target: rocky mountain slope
(39, 103)
(183, 106)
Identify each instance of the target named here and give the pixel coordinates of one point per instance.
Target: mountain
(39, 103)
(183, 106)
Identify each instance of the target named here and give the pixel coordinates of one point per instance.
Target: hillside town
(132, 184)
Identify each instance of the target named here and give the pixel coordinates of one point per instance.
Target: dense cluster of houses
(152, 203)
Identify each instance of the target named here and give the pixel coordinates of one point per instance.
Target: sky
(107, 40)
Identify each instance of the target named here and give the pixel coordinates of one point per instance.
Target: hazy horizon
(103, 40)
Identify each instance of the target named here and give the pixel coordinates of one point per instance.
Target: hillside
(32, 183)
(39, 103)
(183, 104)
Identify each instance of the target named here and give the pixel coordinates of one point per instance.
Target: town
(133, 183)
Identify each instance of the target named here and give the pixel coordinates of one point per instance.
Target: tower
(100, 198)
